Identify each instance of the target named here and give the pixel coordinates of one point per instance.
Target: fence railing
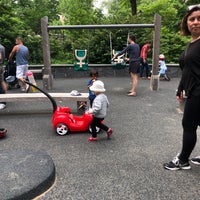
(67, 70)
(40, 66)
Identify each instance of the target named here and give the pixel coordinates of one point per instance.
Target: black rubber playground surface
(147, 133)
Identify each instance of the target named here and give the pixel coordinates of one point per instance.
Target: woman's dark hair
(132, 37)
(184, 28)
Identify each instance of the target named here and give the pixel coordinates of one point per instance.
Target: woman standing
(190, 83)
(133, 51)
(3, 87)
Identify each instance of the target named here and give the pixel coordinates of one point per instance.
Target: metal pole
(154, 83)
(47, 76)
(111, 49)
(103, 26)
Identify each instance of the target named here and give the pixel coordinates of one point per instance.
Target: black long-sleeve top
(133, 51)
(190, 64)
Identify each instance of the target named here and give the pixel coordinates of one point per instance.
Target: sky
(98, 4)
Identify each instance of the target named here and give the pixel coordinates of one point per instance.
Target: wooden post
(154, 83)
(47, 76)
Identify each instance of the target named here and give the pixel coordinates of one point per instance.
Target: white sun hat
(98, 86)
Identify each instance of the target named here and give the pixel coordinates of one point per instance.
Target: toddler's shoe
(23, 89)
(92, 139)
(109, 133)
(3, 132)
(2, 106)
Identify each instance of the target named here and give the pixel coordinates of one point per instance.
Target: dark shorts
(134, 67)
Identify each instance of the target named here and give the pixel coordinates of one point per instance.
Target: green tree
(133, 7)
(31, 12)
(68, 41)
(10, 25)
(171, 12)
(25, 18)
(76, 11)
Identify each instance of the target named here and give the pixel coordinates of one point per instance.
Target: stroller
(10, 75)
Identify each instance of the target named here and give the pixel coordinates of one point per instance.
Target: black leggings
(190, 122)
(97, 122)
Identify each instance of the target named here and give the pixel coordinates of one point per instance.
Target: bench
(14, 97)
(40, 96)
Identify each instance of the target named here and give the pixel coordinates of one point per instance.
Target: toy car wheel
(97, 129)
(3, 132)
(62, 129)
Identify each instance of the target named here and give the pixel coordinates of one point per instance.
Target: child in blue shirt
(162, 65)
(93, 75)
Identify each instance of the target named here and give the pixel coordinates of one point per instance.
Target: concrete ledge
(32, 111)
(7, 112)
(40, 96)
(25, 174)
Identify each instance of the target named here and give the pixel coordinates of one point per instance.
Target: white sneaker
(23, 89)
(2, 106)
(196, 160)
(176, 164)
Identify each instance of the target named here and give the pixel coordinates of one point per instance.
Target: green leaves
(22, 18)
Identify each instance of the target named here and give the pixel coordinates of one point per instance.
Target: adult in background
(3, 89)
(133, 51)
(3, 131)
(190, 82)
(144, 64)
(22, 54)
(2, 54)
(3, 86)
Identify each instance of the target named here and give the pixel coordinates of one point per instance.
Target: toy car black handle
(54, 104)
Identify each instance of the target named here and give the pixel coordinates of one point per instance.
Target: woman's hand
(179, 97)
(114, 57)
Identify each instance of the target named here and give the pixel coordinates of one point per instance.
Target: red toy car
(63, 121)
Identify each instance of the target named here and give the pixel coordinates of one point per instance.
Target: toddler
(163, 67)
(99, 110)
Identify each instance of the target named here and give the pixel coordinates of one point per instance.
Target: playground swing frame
(47, 76)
